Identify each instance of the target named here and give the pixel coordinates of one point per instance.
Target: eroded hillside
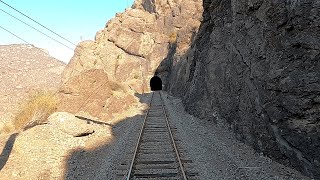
(24, 69)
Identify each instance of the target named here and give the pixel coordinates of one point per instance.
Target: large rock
(255, 65)
(45, 152)
(93, 92)
(68, 123)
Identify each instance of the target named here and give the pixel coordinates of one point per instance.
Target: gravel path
(215, 152)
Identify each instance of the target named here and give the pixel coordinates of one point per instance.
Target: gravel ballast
(215, 152)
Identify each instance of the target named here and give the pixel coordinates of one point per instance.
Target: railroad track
(157, 155)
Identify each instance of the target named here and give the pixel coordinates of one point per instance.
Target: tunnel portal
(156, 83)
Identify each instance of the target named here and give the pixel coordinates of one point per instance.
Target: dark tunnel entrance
(156, 83)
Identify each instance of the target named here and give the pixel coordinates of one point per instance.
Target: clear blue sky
(73, 19)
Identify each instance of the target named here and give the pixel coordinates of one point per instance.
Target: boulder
(93, 92)
(68, 123)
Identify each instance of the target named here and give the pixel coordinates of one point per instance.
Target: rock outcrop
(133, 44)
(94, 93)
(125, 55)
(255, 65)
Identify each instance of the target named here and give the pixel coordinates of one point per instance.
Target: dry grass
(36, 110)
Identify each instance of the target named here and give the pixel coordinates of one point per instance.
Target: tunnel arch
(156, 83)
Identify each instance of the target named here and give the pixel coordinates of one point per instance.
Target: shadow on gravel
(4, 156)
(102, 161)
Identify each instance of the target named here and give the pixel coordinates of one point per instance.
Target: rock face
(255, 65)
(94, 93)
(127, 51)
(133, 44)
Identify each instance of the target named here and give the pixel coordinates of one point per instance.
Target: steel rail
(129, 174)
(139, 140)
(172, 140)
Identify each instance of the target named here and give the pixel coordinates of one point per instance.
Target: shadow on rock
(7, 150)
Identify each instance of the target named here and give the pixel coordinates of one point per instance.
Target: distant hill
(24, 68)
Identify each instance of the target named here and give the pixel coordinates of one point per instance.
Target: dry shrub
(173, 37)
(36, 110)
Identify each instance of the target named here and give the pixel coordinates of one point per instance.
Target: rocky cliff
(127, 51)
(133, 44)
(255, 66)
